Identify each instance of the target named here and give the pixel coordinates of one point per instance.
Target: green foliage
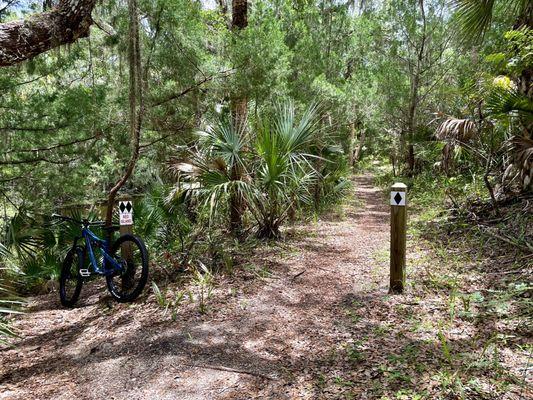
(276, 175)
(162, 219)
(166, 304)
(9, 301)
(204, 283)
(34, 247)
(285, 173)
(502, 103)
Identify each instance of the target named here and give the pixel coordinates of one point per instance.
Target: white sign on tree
(125, 209)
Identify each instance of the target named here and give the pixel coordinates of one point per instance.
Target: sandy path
(272, 339)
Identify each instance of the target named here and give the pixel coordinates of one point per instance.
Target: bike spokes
(131, 255)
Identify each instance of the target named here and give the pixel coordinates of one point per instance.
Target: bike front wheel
(130, 252)
(70, 279)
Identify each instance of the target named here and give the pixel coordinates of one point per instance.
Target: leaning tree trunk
(23, 39)
(136, 105)
(239, 108)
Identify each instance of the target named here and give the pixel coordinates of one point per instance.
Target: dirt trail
(271, 338)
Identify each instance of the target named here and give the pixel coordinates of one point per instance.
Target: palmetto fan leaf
(273, 161)
(8, 304)
(4, 252)
(284, 172)
(218, 187)
(294, 136)
(225, 141)
(506, 101)
(274, 171)
(475, 16)
(24, 235)
(212, 178)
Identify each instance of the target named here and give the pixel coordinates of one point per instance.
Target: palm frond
(9, 304)
(4, 252)
(509, 101)
(293, 135)
(474, 16)
(521, 149)
(225, 140)
(453, 129)
(219, 188)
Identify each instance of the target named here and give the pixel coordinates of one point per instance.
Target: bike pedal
(85, 273)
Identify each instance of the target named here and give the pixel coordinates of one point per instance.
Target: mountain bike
(124, 263)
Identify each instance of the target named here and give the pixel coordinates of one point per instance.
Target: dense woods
(230, 123)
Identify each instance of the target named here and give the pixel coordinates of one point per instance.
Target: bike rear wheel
(70, 280)
(130, 252)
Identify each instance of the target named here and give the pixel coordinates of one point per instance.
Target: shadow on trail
(290, 330)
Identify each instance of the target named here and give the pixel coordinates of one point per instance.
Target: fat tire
(65, 271)
(136, 241)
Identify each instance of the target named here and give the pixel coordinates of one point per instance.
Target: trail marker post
(125, 213)
(398, 227)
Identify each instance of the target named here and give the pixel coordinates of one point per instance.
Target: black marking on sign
(125, 206)
(398, 198)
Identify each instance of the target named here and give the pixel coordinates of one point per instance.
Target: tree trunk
(239, 108)
(411, 161)
(413, 98)
(136, 106)
(239, 18)
(351, 145)
(24, 39)
(360, 146)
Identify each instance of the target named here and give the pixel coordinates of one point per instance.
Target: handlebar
(84, 222)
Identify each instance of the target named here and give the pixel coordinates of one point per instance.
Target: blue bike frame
(109, 264)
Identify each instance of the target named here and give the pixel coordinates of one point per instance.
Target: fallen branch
(297, 275)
